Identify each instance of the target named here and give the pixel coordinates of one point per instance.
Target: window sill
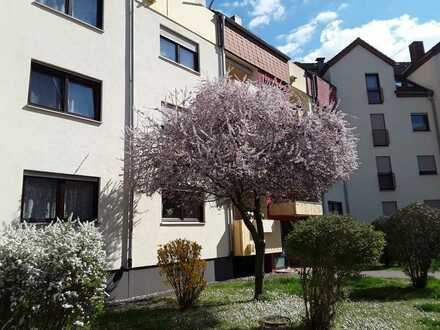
(68, 17)
(175, 223)
(428, 173)
(179, 65)
(61, 114)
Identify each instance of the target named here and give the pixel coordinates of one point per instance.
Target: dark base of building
(145, 281)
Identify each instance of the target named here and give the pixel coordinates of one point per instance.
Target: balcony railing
(381, 138)
(387, 181)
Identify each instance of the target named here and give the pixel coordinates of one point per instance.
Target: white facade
(361, 195)
(58, 145)
(156, 78)
(41, 140)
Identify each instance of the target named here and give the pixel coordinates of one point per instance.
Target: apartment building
(81, 72)
(172, 53)
(394, 107)
(64, 113)
(247, 57)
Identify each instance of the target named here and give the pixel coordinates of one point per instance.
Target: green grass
(429, 324)
(429, 307)
(373, 303)
(369, 288)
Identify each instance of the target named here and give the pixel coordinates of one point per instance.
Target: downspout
(128, 191)
(434, 114)
(130, 125)
(221, 43)
(347, 203)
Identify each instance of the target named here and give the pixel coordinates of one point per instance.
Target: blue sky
(306, 29)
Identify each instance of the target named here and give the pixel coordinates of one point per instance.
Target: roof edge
(350, 47)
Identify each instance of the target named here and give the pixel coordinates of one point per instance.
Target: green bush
(51, 277)
(184, 270)
(332, 249)
(413, 236)
(386, 258)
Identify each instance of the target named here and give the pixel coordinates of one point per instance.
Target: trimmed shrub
(413, 236)
(380, 225)
(184, 270)
(51, 277)
(332, 249)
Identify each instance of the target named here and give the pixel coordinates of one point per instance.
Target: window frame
(425, 115)
(178, 47)
(182, 219)
(382, 174)
(432, 172)
(340, 210)
(389, 202)
(383, 130)
(67, 76)
(378, 90)
(68, 11)
(60, 180)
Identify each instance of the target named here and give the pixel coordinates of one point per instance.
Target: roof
(430, 54)
(350, 47)
(310, 67)
(411, 89)
(254, 37)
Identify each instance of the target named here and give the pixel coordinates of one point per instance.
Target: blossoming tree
(241, 142)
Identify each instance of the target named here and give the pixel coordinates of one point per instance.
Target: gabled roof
(350, 47)
(413, 67)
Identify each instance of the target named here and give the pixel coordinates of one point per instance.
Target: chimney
(321, 62)
(237, 19)
(416, 50)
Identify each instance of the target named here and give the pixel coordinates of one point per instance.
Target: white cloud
(262, 12)
(391, 36)
(265, 11)
(298, 37)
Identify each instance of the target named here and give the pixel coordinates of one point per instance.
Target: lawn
(371, 303)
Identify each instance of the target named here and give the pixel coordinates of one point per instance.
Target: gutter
(434, 114)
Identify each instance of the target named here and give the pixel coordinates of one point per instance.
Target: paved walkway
(392, 274)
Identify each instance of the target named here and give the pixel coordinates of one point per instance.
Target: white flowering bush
(51, 277)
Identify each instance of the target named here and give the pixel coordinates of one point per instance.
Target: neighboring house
(394, 107)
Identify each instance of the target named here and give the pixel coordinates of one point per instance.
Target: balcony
(294, 210)
(245, 246)
(387, 181)
(381, 138)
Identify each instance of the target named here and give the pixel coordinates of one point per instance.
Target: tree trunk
(257, 234)
(260, 247)
(259, 267)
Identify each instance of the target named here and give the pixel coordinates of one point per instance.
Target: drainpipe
(221, 43)
(347, 203)
(130, 125)
(434, 114)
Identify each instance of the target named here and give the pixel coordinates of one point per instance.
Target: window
(46, 198)
(335, 207)
(380, 133)
(179, 50)
(435, 203)
(177, 208)
(389, 208)
(385, 173)
(420, 122)
(88, 11)
(427, 165)
(64, 92)
(373, 88)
